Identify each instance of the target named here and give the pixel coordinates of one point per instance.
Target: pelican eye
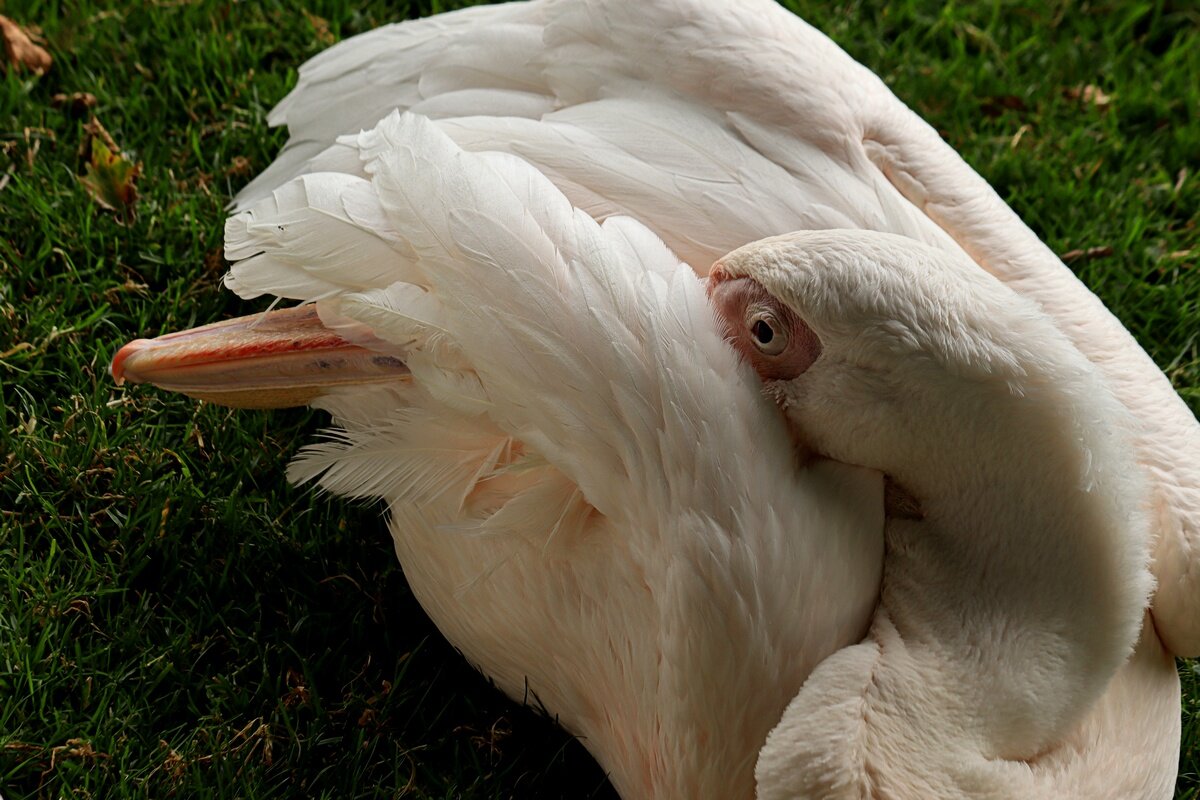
(762, 332)
(766, 332)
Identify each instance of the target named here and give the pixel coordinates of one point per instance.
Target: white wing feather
(572, 392)
(313, 237)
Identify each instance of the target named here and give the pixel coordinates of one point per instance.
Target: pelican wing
(568, 462)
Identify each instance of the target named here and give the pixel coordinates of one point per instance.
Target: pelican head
(1015, 594)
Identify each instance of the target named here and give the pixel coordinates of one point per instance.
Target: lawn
(176, 620)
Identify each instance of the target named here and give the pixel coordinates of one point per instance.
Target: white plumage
(980, 658)
(578, 475)
(589, 492)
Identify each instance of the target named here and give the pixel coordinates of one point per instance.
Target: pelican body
(704, 560)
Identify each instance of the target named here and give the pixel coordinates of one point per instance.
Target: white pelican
(672, 654)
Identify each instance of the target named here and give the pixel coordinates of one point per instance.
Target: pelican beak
(274, 359)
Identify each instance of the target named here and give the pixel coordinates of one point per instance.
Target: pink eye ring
(765, 332)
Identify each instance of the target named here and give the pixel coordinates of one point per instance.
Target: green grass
(176, 620)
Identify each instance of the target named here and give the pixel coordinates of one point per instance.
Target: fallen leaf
(1095, 96)
(109, 176)
(19, 47)
(75, 748)
(76, 103)
(1090, 95)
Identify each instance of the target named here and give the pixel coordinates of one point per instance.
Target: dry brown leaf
(75, 748)
(1090, 95)
(20, 49)
(1096, 96)
(76, 103)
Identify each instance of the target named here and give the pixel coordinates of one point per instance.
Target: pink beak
(274, 359)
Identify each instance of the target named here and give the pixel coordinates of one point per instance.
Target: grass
(175, 620)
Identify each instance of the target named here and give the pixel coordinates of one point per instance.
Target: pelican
(592, 495)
